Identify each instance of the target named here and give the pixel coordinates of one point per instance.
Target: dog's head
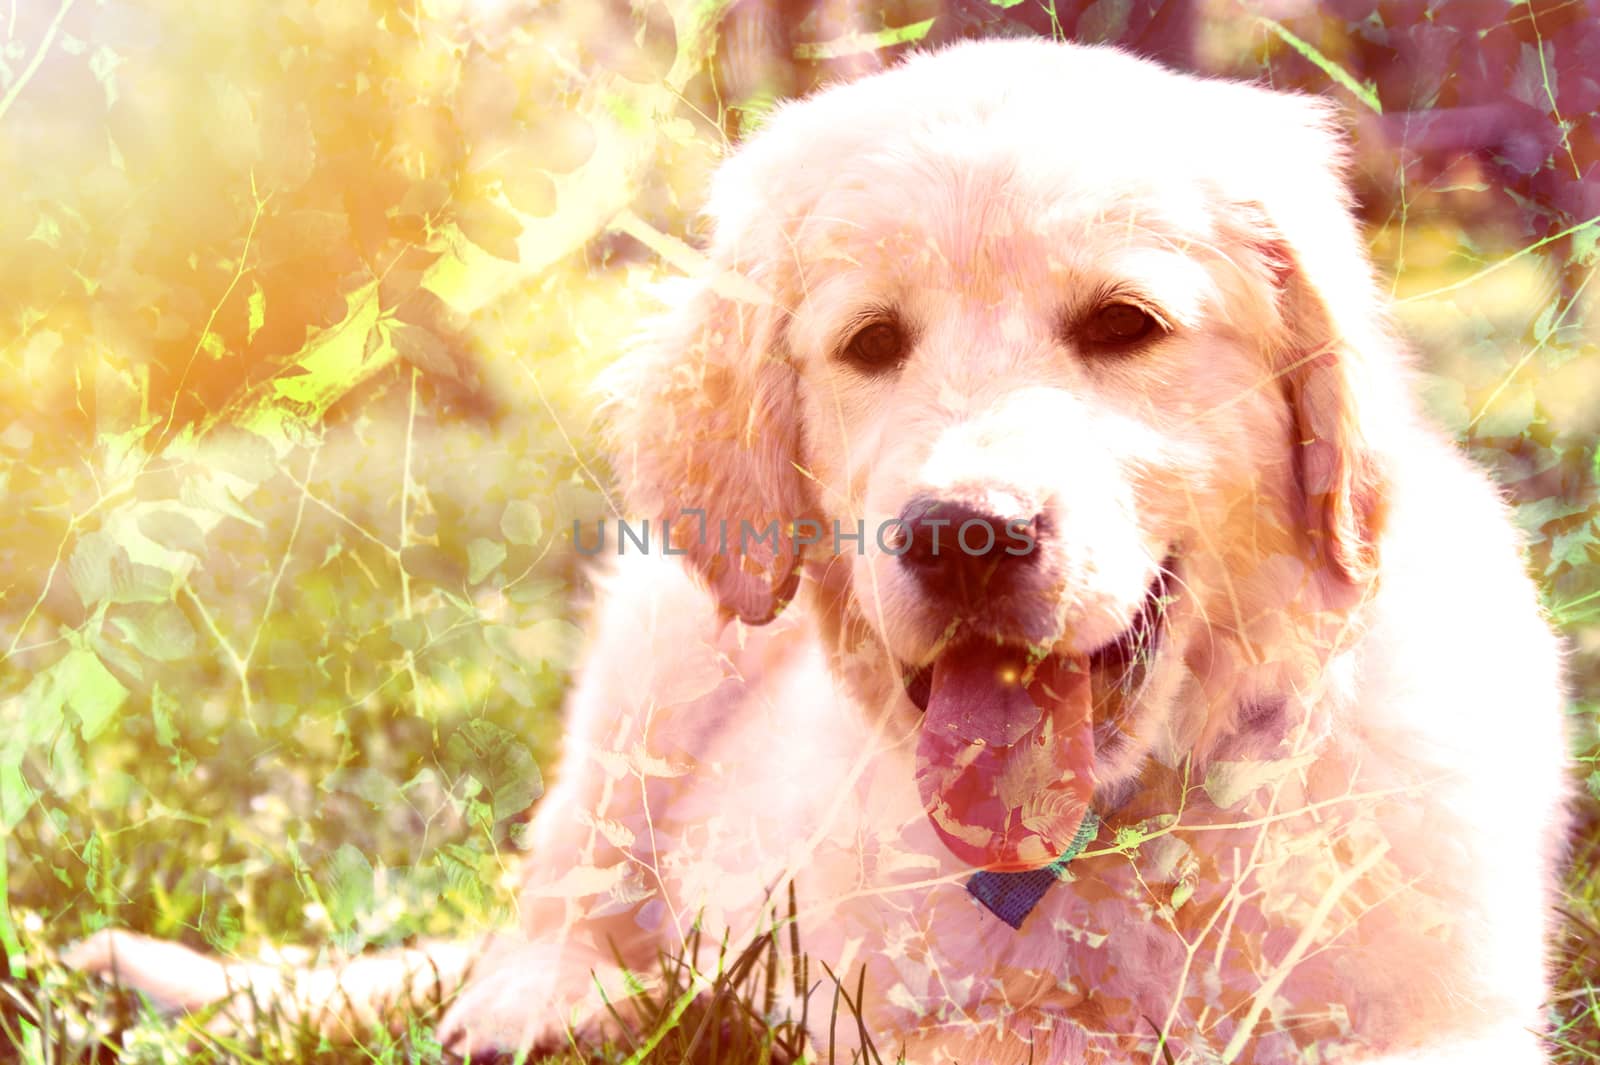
(1072, 373)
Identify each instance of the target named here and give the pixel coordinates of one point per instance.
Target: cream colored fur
(1334, 797)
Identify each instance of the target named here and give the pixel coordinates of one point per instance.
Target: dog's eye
(877, 348)
(1119, 325)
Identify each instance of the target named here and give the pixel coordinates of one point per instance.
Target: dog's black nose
(962, 553)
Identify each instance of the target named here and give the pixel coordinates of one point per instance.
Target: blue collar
(1012, 896)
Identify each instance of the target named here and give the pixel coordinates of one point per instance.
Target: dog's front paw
(172, 977)
(526, 997)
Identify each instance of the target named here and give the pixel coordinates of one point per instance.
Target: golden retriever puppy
(1222, 722)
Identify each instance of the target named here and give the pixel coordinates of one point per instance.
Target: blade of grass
(1340, 76)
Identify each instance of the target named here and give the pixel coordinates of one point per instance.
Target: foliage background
(299, 305)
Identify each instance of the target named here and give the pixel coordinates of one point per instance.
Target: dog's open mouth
(1005, 757)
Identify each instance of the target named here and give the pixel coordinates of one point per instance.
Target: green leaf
(491, 227)
(1585, 244)
(1446, 399)
(349, 882)
(1510, 414)
(103, 65)
(1571, 548)
(1545, 323)
(512, 680)
(424, 350)
(173, 526)
(536, 593)
(15, 794)
(257, 308)
(68, 777)
(500, 762)
(1537, 513)
(46, 230)
(482, 558)
(93, 567)
(1128, 838)
(370, 785)
(219, 494)
(89, 690)
(338, 358)
(462, 875)
(41, 712)
(213, 345)
(161, 707)
(530, 191)
(159, 631)
(521, 522)
(552, 640)
(246, 459)
(154, 570)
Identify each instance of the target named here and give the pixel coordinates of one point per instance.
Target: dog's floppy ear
(1339, 364)
(1332, 349)
(705, 435)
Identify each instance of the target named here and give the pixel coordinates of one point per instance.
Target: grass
(706, 1005)
(301, 313)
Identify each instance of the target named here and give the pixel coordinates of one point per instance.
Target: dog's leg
(174, 978)
(652, 738)
(337, 1002)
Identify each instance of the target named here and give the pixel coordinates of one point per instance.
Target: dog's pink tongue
(1005, 762)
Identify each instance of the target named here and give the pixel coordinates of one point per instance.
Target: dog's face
(1066, 358)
